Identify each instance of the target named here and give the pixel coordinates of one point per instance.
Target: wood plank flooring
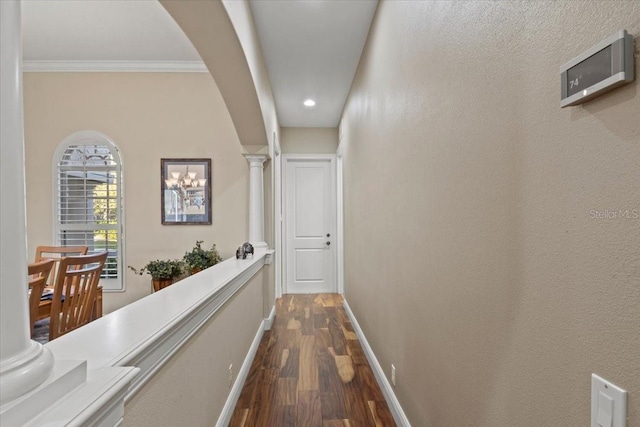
(310, 370)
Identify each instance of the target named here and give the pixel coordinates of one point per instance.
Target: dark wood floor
(310, 370)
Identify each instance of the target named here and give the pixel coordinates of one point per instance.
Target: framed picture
(185, 188)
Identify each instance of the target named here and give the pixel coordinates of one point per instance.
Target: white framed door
(309, 224)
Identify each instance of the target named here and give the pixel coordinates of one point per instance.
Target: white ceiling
(311, 47)
(106, 30)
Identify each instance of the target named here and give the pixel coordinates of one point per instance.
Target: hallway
(310, 370)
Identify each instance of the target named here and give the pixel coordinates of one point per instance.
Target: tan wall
(309, 140)
(488, 282)
(192, 388)
(150, 116)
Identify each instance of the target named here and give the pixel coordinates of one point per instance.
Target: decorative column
(24, 364)
(256, 200)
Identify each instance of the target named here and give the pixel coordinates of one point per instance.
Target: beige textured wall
(309, 140)
(192, 388)
(473, 261)
(150, 116)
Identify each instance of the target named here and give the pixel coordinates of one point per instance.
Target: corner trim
(234, 395)
(340, 223)
(397, 411)
(114, 66)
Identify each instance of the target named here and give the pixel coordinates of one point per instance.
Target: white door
(310, 224)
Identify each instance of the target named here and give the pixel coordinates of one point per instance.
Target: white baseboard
(234, 395)
(269, 320)
(394, 405)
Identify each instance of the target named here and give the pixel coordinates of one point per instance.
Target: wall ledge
(151, 355)
(120, 352)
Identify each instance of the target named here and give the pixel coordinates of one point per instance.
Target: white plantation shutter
(89, 200)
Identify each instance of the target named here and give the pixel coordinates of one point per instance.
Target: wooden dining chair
(75, 292)
(56, 253)
(38, 273)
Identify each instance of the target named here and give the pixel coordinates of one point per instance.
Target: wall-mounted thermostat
(605, 66)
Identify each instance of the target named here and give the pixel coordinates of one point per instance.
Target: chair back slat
(38, 273)
(56, 253)
(75, 292)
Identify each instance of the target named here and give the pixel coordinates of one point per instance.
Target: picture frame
(185, 191)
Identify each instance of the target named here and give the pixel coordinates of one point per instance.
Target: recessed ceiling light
(309, 103)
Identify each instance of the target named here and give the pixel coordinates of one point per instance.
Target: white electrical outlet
(393, 375)
(230, 375)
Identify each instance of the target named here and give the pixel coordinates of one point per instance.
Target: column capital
(256, 159)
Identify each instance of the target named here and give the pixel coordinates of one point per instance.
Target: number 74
(574, 82)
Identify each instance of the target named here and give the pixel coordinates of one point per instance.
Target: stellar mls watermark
(614, 214)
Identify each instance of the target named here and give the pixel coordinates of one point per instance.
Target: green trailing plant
(199, 258)
(161, 269)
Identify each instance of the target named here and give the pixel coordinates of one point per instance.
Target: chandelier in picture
(188, 180)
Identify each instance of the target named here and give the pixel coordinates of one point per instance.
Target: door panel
(309, 199)
(310, 222)
(309, 265)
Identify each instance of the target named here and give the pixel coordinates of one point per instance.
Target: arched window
(88, 200)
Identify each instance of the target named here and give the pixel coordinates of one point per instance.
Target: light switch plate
(603, 414)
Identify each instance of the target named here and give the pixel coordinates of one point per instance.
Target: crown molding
(115, 66)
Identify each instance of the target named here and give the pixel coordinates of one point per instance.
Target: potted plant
(198, 258)
(162, 272)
